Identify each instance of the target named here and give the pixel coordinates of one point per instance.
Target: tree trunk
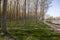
(25, 14)
(36, 11)
(4, 16)
(42, 11)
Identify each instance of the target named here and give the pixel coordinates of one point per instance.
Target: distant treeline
(15, 10)
(25, 9)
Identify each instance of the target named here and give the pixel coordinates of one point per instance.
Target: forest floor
(30, 31)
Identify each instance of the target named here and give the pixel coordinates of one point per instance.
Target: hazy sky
(55, 9)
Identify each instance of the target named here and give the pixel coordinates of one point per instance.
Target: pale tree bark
(36, 9)
(42, 11)
(25, 13)
(28, 6)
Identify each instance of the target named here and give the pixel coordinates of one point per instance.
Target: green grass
(43, 34)
(29, 25)
(32, 31)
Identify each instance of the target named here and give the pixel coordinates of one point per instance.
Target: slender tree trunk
(36, 10)
(42, 11)
(4, 16)
(25, 13)
(28, 10)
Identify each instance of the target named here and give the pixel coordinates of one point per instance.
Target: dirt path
(56, 28)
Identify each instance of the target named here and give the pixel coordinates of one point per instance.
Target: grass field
(32, 31)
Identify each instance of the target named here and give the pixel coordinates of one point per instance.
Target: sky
(54, 10)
